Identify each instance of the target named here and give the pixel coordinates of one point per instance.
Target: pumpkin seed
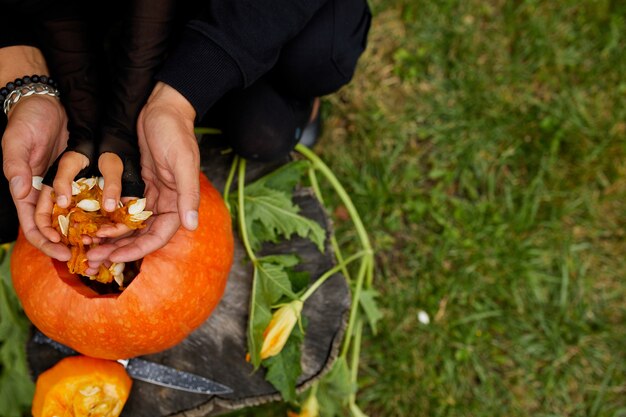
(37, 180)
(117, 268)
(144, 215)
(119, 278)
(137, 206)
(87, 183)
(64, 223)
(88, 205)
(101, 182)
(89, 390)
(75, 188)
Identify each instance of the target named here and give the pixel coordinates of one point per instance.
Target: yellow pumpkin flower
(277, 332)
(310, 408)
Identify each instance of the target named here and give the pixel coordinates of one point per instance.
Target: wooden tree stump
(217, 349)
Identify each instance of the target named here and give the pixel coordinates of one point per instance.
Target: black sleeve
(137, 53)
(73, 57)
(105, 77)
(54, 27)
(231, 44)
(19, 18)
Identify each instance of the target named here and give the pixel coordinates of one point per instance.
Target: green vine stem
(356, 353)
(365, 274)
(242, 216)
(354, 309)
(333, 240)
(314, 388)
(369, 278)
(364, 277)
(229, 180)
(343, 195)
(330, 273)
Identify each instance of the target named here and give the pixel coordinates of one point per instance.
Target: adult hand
(35, 135)
(170, 162)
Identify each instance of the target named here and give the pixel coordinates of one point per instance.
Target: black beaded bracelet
(25, 80)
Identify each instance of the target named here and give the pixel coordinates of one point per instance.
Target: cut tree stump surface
(217, 349)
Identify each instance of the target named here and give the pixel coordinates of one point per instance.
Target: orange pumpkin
(80, 386)
(176, 289)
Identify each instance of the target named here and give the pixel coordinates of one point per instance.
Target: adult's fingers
(43, 215)
(25, 212)
(15, 165)
(187, 176)
(69, 166)
(158, 233)
(111, 167)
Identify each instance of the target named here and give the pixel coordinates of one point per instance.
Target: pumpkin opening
(93, 288)
(78, 226)
(130, 272)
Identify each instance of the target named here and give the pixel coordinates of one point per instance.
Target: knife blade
(152, 372)
(162, 375)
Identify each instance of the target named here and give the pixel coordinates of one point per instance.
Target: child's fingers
(90, 240)
(113, 231)
(111, 168)
(69, 166)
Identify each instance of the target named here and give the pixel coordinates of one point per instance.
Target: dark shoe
(313, 129)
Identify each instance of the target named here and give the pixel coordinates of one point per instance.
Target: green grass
(484, 143)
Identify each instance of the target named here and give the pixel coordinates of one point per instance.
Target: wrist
(18, 61)
(167, 96)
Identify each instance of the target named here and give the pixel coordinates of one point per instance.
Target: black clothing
(224, 44)
(8, 215)
(103, 106)
(264, 121)
(252, 67)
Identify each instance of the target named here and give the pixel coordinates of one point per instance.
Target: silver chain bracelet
(28, 90)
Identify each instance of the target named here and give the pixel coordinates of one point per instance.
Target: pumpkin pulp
(84, 216)
(81, 386)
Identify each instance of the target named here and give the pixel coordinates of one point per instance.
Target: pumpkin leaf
(271, 215)
(16, 386)
(274, 278)
(286, 260)
(284, 178)
(334, 389)
(284, 369)
(299, 280)
(259, 318)
(270, 283)
(369, 305)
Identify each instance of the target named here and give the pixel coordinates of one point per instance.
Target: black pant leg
(8, 215)
(323, 57)
(262, 124)
(264, 121)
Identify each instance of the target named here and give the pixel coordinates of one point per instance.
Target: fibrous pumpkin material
(84, 216)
